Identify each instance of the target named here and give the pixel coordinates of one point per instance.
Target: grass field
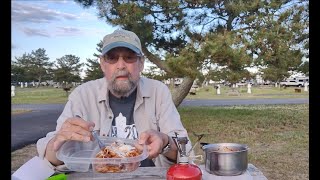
(20, 111)
(256, 92)
(57, 95)
(277, 135)
(39, 96)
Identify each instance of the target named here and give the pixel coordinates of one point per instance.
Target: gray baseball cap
(121, 38)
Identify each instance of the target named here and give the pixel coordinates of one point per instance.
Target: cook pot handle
(203, 144)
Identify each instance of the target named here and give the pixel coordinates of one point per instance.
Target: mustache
(121, 73)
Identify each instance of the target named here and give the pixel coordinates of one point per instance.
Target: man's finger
(143, 137)
(57, 144)
(139, 147)
(88, 125)
(64, 136)
(76, 137)
(77, 129)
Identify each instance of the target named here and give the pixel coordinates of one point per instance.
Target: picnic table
(159, 173)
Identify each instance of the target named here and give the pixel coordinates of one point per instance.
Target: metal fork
(101, 144)
(96, 137)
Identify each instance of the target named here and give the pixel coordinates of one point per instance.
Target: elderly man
(119, 101)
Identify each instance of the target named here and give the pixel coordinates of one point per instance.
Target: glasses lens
(111, 59)
(128, 59)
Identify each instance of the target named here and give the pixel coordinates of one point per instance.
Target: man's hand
(73, 129)
(154, 140)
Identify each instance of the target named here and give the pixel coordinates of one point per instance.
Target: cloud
(67, 31)
(61, 1)
(31, 13)
(35, 32)
(44, 19)
(61, 31)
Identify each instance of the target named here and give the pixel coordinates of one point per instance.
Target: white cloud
(61, 1)
(68, 31)
(27, 15)
(35, 32)
(57, 23)
(35, 13)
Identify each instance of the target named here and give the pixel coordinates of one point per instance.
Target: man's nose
(121, 63)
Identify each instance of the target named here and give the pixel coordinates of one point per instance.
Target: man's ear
(141, 64)
(101, 63)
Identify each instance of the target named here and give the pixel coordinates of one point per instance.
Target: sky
(61, 27)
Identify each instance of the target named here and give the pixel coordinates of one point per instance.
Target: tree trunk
(39, 81)
(182, 91)
(204, 82)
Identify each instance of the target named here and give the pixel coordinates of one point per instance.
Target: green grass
(20, 111)
(256, 92)
(45, 95)
(42, 95)
(277, 135)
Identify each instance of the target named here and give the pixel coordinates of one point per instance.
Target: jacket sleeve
(68, 110)
(169, 122)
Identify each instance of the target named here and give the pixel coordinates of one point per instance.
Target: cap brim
(120, 44)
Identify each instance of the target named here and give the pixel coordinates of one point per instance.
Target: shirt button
(110, 117)
(103, 134)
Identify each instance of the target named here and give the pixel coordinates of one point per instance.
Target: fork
(101, 144)
(96, 137)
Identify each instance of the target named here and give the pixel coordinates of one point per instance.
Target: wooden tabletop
(157, 173)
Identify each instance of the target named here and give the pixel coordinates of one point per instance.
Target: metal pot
(225, 159)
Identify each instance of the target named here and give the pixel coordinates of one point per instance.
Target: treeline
(37, 67)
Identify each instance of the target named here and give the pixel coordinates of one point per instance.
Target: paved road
(27, 128)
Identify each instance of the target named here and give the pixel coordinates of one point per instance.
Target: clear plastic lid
(78, 156)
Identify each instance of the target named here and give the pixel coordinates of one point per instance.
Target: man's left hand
(154, 140)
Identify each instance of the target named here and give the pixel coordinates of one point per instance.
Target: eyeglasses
(128, 59)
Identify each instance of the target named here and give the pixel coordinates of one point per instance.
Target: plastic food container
(81, 157)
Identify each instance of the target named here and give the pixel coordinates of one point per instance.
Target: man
(122, 104)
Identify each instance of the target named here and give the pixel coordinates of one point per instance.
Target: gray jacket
(154, 109)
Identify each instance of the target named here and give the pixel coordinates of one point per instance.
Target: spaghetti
(116, 150)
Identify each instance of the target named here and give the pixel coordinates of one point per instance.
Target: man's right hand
(72, 129)
(75, 129)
